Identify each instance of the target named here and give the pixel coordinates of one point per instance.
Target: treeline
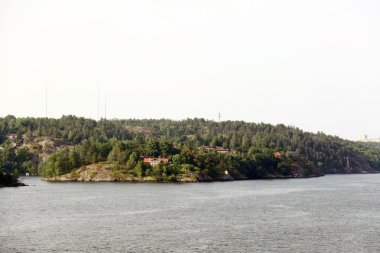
(245, 140)
(17, 161)
(258, 164)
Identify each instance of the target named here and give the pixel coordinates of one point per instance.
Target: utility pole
(105, 108)
(46, 101)
(98, 104)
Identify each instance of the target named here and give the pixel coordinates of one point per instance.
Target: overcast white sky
(311, 64)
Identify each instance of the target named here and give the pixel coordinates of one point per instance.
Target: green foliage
(58, 164)
(7, 179)
(85, 141)
(133, 160)
(153, 148)
(21, 160)
(140, 169)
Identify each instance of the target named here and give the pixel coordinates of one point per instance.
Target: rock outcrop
(111, 173)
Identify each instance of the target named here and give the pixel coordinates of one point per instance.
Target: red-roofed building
(155, 161)
(277, 154)
(208, 148)
(222, 150)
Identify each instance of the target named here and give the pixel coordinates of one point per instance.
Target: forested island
(193, 150)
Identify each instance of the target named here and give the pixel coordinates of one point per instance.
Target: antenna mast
(105, 108)
(219, 117)
(46, 102)
(98, 104)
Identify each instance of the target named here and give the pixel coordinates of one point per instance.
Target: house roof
(150, 159)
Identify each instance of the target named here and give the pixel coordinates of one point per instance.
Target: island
(193, 150)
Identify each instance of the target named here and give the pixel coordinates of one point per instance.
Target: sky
(310, 64)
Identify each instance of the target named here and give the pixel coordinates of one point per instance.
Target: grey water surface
(336, 213)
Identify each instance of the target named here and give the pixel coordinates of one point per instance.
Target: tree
(166, 148)
(234, 142)
(133, 160)
(75, 159)
(178, 159)
(153, 148)
(140, 169)
(246, 142)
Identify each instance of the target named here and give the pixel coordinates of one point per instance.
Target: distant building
(155, 161)
(11, 136)
(364, 138)
(207, 147)
(222, 150)
(277, 154)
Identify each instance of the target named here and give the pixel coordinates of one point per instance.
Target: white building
(364, 138)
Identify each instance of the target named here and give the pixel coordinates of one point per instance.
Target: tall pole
(46, 102)
(105, 108)
(98, 105)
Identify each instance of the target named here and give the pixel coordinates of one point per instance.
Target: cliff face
(359, 165)
(301, 167)
(355, 165)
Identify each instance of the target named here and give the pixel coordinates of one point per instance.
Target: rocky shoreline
(16, 184)
(107, 173)
(10, 180)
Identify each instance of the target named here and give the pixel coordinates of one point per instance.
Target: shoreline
(142, 180)
(137, 180)
(15, 184)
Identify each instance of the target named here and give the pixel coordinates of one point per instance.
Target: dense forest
(53, 147)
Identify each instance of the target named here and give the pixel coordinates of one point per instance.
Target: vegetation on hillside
(71, 142)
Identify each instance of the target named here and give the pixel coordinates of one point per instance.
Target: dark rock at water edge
(15, 184)
(8, 180)
(226, 177)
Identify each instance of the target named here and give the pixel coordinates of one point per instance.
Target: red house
(222, 150)
(155, 161)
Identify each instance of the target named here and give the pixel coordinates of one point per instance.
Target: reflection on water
(328, 214)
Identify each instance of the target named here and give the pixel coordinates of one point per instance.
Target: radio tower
(105, 108)
(98, 105)
(219, 118)
(46, 101)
